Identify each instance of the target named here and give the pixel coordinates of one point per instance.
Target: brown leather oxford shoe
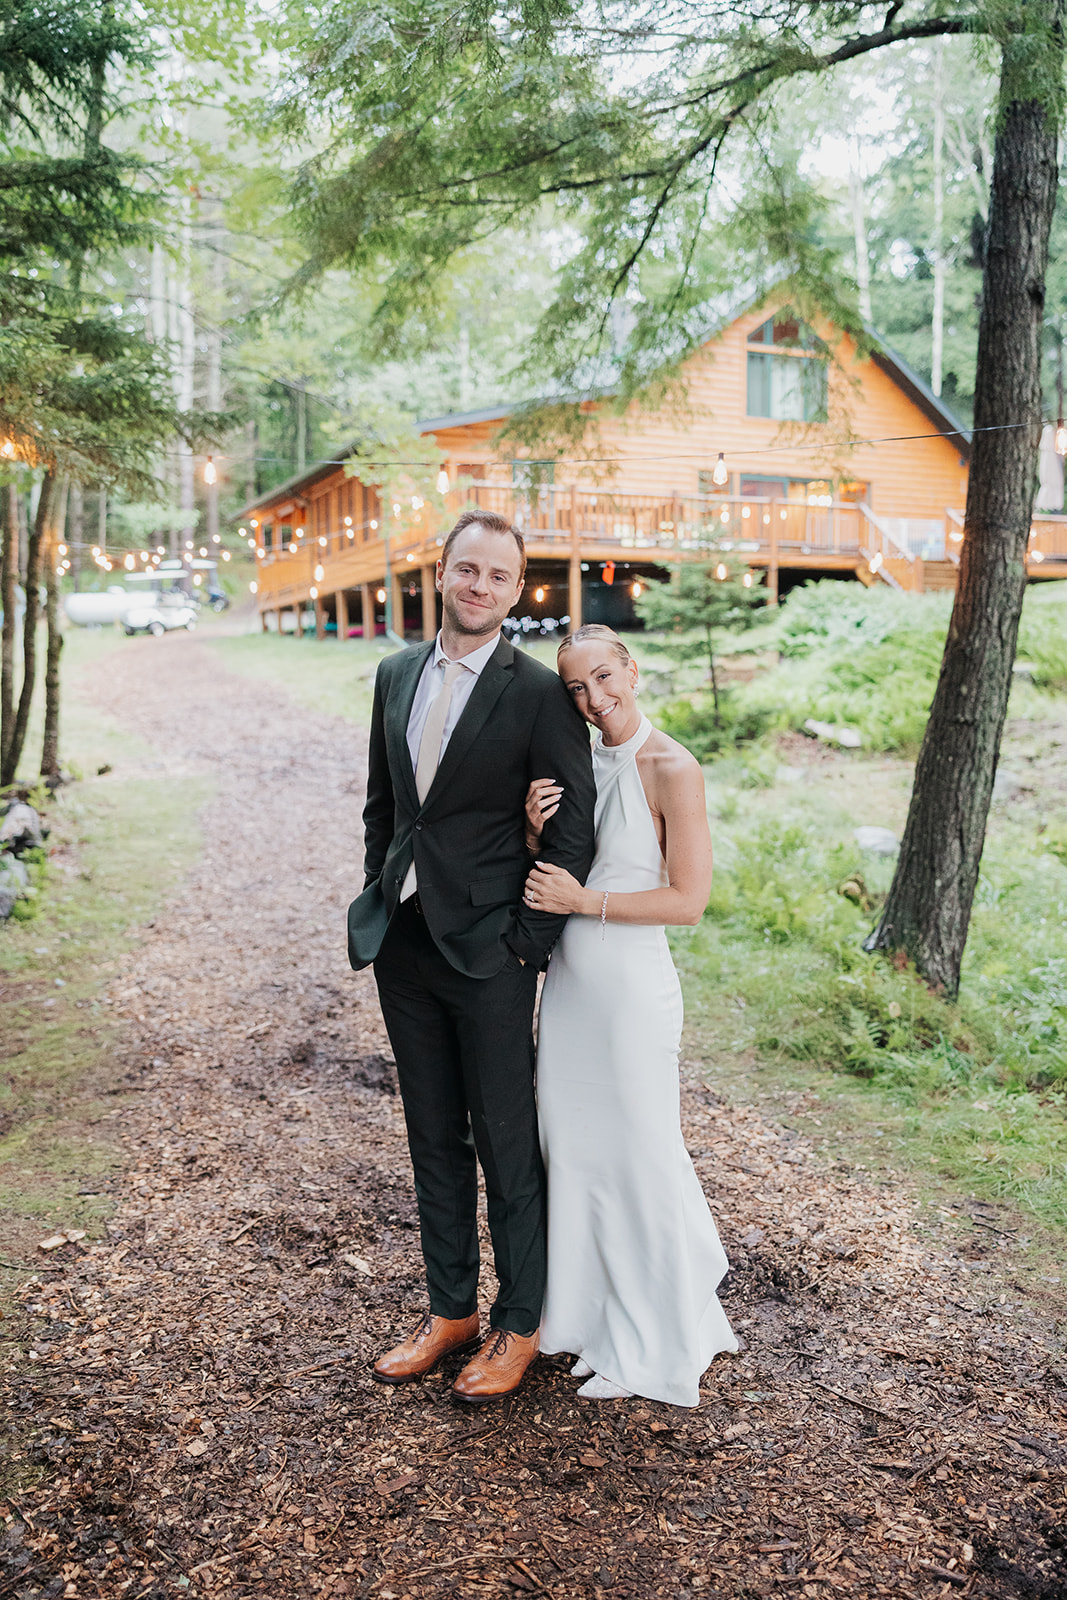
(498, 1368)
(434, 1338)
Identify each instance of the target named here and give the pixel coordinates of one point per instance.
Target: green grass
(974, 1092)
(119, 842)
(332, 677)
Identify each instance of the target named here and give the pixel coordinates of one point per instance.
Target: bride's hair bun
(591, 631)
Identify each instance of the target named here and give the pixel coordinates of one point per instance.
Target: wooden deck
(385, 564)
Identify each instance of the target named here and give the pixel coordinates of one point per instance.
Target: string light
(721, 573)
(251, 544)
(253, 587)
(62, 549)
(637, 591)
(1061, 438)
(210, 475)
(747, 580)
(320, 573)
(442, 482)
(539, 595)
(720, 475)
(381, 596)
(313, 592)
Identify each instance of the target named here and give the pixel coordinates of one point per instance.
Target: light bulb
(292, 548)
(374, 524)
(210, 475)
(381, 596)
(322, 541)
(160, 551)
(253, 587)
(539, 595)
(348, 522)
(253, 522)
(129, 563)
(320, 573)
(62, 549)
(1061, 438)
(251, 544)
(637, 590)
(313, 592)
(721, 573)
(396, 508)
(197, 577)
(719, 473)
(442, 482)
(747, 580)
(215, 539)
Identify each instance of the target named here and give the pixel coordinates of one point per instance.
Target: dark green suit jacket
(467, 838)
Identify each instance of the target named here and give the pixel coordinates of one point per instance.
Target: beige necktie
(430, 752)
(434, 731)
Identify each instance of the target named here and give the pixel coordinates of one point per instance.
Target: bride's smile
(603, 690)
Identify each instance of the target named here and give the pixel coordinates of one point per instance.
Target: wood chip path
(197, 1416)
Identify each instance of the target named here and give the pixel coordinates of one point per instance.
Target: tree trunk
(937, 327)
(859, 227)
(50, 558)
(9, 575)
(714, 678)
(929, 905)
(76, 526)
(13, 753)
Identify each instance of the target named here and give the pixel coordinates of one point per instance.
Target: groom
(459, 729)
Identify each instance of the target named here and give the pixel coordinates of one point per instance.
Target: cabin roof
(883, 355)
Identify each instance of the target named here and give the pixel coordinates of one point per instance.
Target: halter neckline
(630, 746)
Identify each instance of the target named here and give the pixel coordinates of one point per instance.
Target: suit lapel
(399, 713)
(492, 681)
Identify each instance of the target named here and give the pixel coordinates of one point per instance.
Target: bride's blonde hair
(590, 631)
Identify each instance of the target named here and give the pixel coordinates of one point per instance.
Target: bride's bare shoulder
(669, 763)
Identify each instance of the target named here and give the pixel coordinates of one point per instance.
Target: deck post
(341, 599)
(366, 615)
(574, 568)
(320, 618)
(772, 567)
(263, 622)
(397, 597)
(428, 576)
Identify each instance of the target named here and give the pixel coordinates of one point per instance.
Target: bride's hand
(552, 889)
(542, 802)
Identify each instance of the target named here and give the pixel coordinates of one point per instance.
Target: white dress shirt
(432, 682)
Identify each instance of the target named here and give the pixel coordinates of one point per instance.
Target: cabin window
(786, 372)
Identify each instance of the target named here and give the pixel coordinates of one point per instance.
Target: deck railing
(762, 531)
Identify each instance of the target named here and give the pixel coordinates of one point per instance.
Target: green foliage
(821, 998)
(695, 724)
(869, 658)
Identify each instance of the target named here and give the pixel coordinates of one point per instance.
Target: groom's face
(480, 582)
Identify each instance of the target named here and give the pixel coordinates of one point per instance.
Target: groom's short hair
(492, 522)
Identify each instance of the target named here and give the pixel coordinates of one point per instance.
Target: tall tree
(627, 119)
(83, 394)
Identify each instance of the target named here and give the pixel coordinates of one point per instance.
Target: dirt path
(198, 1409)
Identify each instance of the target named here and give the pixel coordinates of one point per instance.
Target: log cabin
(790, 451)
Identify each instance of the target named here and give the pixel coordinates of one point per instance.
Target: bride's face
(602, 686)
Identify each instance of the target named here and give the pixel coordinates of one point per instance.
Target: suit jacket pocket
(496, 891)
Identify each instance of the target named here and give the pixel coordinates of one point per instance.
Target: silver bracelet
(604, 914)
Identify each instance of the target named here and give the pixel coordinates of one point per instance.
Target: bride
(634, 1257)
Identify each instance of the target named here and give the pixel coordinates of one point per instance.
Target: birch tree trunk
(50, 558)
(928, 909)
(859, 227)
(937, 330)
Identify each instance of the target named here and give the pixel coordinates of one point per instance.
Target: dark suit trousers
(465, 1061)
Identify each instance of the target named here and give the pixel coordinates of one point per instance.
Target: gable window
(786, 372)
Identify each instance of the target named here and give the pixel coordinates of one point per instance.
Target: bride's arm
(679, 798)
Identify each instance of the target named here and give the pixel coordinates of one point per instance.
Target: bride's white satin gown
(634, 1257)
